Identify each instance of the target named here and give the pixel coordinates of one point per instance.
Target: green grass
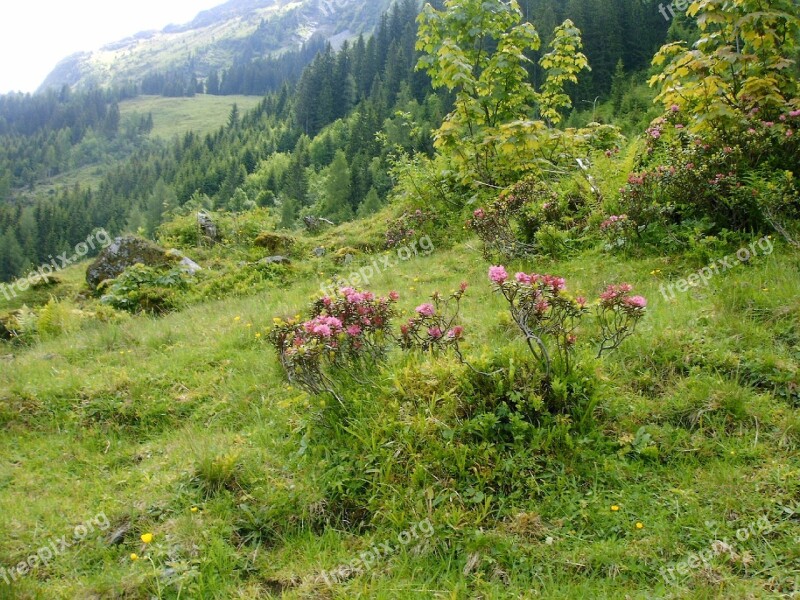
(145, 419)
(175, 116)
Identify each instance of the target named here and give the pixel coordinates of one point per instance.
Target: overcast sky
(36, 34)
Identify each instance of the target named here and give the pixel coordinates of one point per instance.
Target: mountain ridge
(237, 30)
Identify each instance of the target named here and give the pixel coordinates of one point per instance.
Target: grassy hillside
(176, 116)
(183, 427)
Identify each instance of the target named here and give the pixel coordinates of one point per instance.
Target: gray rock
(186, 263)
(275, 260)
(125, 252)
(207, 227)
(319, 252)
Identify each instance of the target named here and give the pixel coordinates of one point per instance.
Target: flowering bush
(549, 317)
(435, 325)
(616, 230)
(408, 226)
(349, 330)
(718, 174)
(508, 226)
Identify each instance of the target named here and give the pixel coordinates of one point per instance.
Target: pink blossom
(463, 287)
(435, 332)
(498, 274)
(394, 296)
(322, 330)
(404, 329)
(572, 339)
(625, 287)
(636, 301)
(479, 213)
(690, 166)
(581, 301)
(679, 126)
(783, 117)
(674, 108)
(789, 133)
(751, 131)
(768, 123)
(541, 306)
(456, 332)
(727, 149)
(426, 310)
(523, 278)
(608, 153)
(795, 113)
(326, 301)
(354, 330)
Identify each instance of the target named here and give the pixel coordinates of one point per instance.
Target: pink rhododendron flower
(788, 133)
(426, 310)
(581, 301)
(523, 278)
(456, 332)
(636, 301)
(795, 113)
(435, 332)
(354, 330)
(394, 296)
(479, 213)
(463, 287)
(674, 108)
(498, 274)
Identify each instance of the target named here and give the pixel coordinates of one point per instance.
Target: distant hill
(217, 38)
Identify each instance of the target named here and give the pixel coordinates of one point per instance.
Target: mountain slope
(216, 38)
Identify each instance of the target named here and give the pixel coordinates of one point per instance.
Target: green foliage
(743, 61)
(146, 289)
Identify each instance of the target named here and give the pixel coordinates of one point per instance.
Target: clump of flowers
(349, 330)
(549, 317)
(618, 313)
(434, 325)
(615, 229)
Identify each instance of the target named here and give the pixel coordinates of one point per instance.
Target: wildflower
(463, 287)
(237, 318)
(639, 525)
(258, 335)
(194, 509)
(636, 301)
(523, 278)
(498, 274)
(435, 332)
(572, 339)
(394, 296)
(679, 126)
(581, 301)
(789, 133)
(479, 213)
(134, 557)
(674, 108)
(614, 508)
(795, 113)
(426, 310)
(147, 538)
(456, 332)
(354, 330)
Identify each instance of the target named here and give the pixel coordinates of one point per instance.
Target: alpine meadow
(463, 299)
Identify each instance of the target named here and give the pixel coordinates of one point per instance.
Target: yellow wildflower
(147, 538)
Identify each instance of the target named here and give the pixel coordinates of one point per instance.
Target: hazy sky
(36, 34)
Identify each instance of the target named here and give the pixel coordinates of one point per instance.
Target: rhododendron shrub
(508, 226)
(347, 331)
(739, 177)
(435, 324)
(549, 317)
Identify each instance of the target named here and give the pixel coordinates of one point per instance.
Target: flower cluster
(434, 324)
(543, 311)
(549, 317)
(345, 330)
(618, 313)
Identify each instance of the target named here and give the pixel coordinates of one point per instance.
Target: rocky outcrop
(125, 252)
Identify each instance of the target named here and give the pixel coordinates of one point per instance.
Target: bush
(145, 289)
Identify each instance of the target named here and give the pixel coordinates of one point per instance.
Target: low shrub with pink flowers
(549, 317)
(346, 332)
(509, 227)
(719, 175)
(435, 325)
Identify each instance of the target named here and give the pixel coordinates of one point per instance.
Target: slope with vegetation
(552, 362)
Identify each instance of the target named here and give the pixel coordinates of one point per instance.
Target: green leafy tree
(478, 49)
(742, 61)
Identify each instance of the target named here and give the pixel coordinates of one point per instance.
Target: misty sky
(36, 34)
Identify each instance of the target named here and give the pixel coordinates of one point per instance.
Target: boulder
(319, 252)
(187, 264)
(125, 252)
(275, 260)
(207, 227)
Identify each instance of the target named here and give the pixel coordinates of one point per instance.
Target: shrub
(435, 325)
(347, 333)
(548, 317)
(144, 289)
(408, 226)
(274, 242)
